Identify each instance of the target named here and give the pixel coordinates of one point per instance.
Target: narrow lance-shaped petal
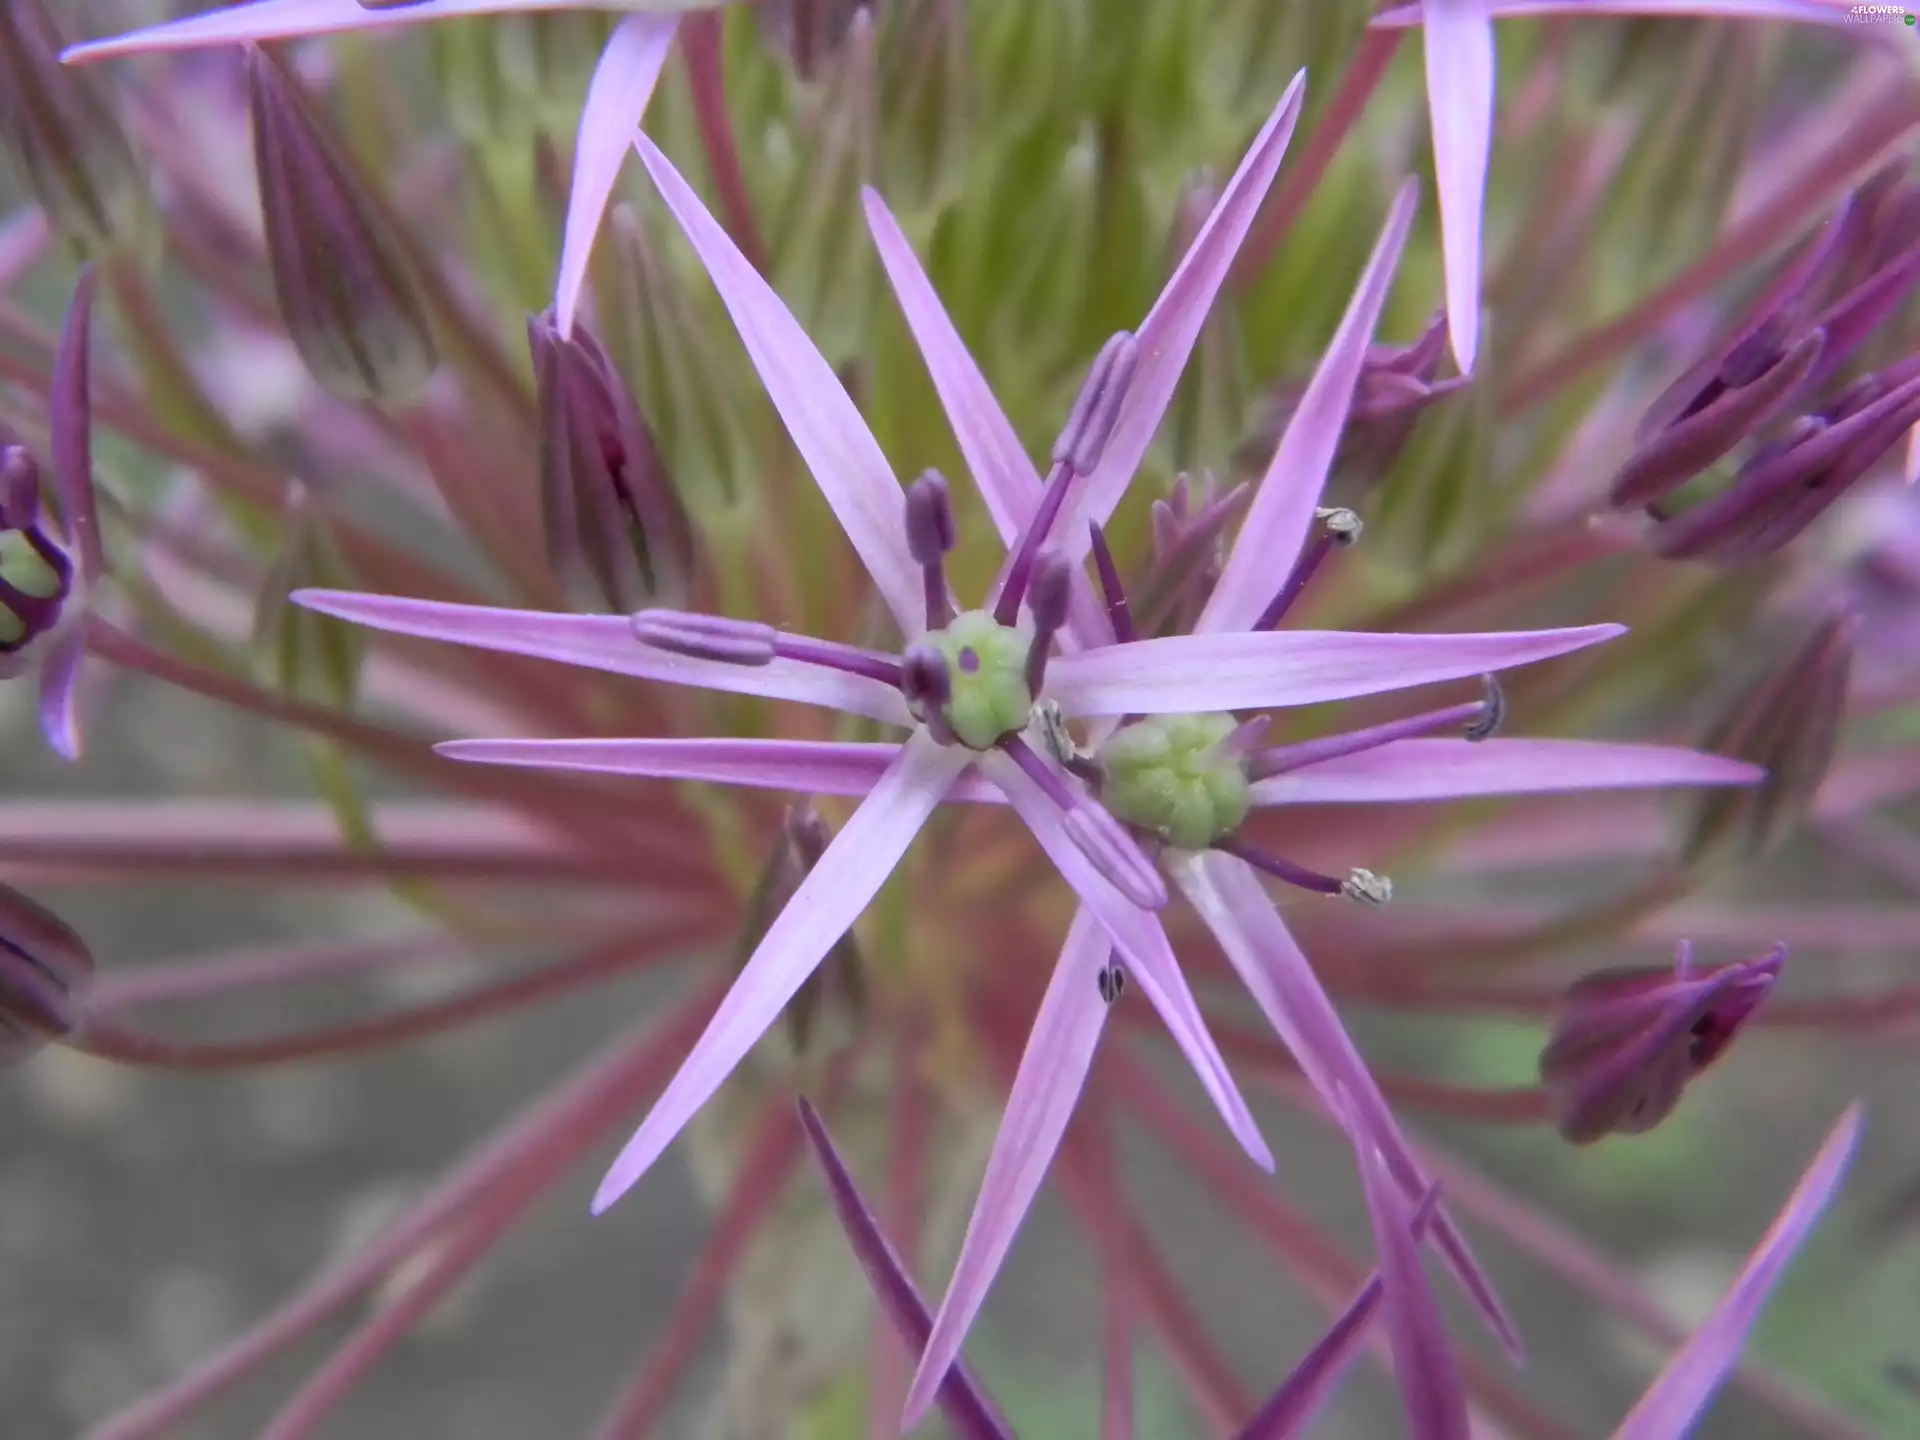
(1671, 1406)
(1046, 1087)
(967, 1406)
(1172, 327)
(617, 96)
(826, 427)
(1253, 671)
(823, 909)
(1283, 506)
(1412, 770)
(606, 642)
(285, 19)
(1459, 56)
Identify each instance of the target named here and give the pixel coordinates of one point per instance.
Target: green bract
(988, 663)
(1166, 774)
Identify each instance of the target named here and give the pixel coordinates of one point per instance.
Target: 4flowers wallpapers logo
(1129, 716)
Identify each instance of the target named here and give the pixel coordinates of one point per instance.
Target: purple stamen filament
(1282, 758)
(1116, 595)
(1281, 868)
(1335, 531)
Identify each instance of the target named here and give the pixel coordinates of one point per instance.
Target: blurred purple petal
(1167, 336)
(1229, 898)
(1282, 512)
(282, 19)
(59, 693)
(839, 449)
(812, 767)
(71, 413)
(606, 642)
(1053, 1070)
(617, 97)
(967, 1406)
(1272, 669)
(1459, 46)
(1812, 12)
(1424, 1368)
(1142, 942)
(822, 910)
(1006, 476)
(1669, 1408)
(1408, 770)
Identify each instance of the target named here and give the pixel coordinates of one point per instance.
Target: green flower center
(988, 665)
(1166, 774)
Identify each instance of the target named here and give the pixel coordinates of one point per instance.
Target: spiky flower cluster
(764, 261)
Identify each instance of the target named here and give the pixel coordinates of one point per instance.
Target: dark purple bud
(1690, 445)
(46, 972)
(1189, 543)
(345, 286)
(1096, 410)
(1786, 485)
(1111, 588)
(1788, 722)
(60, 123)
(1627, 1042)
(930, 528)
(707, 637)
(1047, 598)
(296, 650)
(616, 532)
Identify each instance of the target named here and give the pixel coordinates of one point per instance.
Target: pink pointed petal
(1228, 896)
(1142, 942)
(1425, 1371)
(1670, 1407)
(72, 435)
(1459, 46)
(839, 449)
(808, 766)
(606, 642)
(1053, 1070)
(1451, 769)
(1006, 476)
(967, 1406)
(283, 19)
(59, 694)
(1272, 669)
(1811, 12)
(617, 97)
(1282, 511)
(823, 909)
(1168, 333)
(1302, 1395)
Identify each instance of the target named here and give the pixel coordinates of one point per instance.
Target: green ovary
(1165, 774)
(988, 663)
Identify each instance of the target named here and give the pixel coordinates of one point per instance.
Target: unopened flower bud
(614, 523)
(1788, 723)
(926, 100)
(1189, 545)
(1627, 1042)
(35, 573)
(1096, 410)
(60, 124)
(46, 971)
(345, 287)
(706, 637)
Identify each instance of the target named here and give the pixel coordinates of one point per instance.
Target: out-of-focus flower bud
(803, 839)
(926, 102)
(302, 652)
(822, 262)
(1396, 385)
(347, 293)
(63, 129)
(1032, 59)
(1789, 723)
(811, 33)
(1627, 1042)
(46, 971)
(1189, 548)
(614, 524)
(35, 574)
